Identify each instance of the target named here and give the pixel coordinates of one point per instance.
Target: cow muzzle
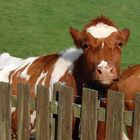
(106, 73)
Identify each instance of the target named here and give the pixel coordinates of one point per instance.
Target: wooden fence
(89, 112)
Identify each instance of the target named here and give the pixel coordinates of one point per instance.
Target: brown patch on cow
(43, 63)
(101, 19)
(129, 85)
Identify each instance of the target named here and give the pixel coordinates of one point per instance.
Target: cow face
(102, 46)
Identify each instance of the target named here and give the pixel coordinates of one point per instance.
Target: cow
(129, 85)
(95, 60)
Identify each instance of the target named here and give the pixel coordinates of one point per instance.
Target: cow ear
(125, 34)
(77, 36)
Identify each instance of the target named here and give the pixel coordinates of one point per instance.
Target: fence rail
(89, 113)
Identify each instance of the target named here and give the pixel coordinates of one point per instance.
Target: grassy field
(36, 27)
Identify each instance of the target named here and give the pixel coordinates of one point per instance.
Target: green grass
(36, 27)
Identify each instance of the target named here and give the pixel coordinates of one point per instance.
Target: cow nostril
(99, 71)
(112, 70)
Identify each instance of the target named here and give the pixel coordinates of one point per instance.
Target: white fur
(103, 44)
(101, 30)
(33, 117)
(124, 137)
(64, 63)
(41, 77)
(13, 109)
(28, 62)
(7, 64)
(32, 121)
(4, 74)
(6, 59)
(44, 76)
(103, 64)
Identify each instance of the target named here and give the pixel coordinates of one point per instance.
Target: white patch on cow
(4, 74)
(42, 77)
(6, 60)
(103, 44)
(124, 137)
(13, 109)
(106, 82)
(101, 30)
(33, 117)
(7, 64)
(5, 54)
(28, 62)
(102, 64)
(32, 121)
(65, 62)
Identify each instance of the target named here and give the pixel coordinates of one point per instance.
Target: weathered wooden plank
(54, 110)
(32, 103)
(56, 90)
(43, 116)
(53, 107)
(65, 113)
(115, 112)
(13, 101)
(128, 118)
(89, 114)
(77, 110)
(101, 114)
(5, 119)
(23, 111)
(7, 105)
(136, 135)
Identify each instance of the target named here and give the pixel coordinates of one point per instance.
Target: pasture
(37, 27)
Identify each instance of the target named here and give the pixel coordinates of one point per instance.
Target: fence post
(23, 112)
(136, 135)
(115, 111)
(54, 118)
(43, 114)
(5, 109)
(65, 113)
(89, 114)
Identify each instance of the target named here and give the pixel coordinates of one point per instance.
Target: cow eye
(84, 45)
(120, 44)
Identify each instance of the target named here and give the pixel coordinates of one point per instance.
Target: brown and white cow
(95, 59)
(129, 84)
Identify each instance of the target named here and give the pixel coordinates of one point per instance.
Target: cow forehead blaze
(101, 30)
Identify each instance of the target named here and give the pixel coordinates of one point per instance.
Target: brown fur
(101, 19)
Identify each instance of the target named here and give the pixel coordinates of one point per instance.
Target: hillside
(36, 27)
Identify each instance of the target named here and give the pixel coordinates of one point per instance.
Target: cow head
(102, 44)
